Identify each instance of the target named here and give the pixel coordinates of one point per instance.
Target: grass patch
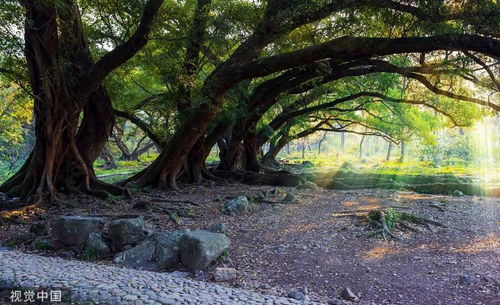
(92, 254)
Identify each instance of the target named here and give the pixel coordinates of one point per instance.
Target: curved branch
(123, 52)
(350, 48)
(142, 125)
(485, 67)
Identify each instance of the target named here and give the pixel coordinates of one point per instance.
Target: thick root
(385, 221)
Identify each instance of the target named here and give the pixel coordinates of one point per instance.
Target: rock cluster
(133, 246)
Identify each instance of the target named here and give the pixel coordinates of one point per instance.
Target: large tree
(73, 113)
(279, 20)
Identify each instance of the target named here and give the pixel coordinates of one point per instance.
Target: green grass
(42, 246)
(124, 169)
(92, 254)
(325, 161)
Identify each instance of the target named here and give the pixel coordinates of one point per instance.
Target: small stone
(296, 295)
(347, 294)
(304, 290)
(236, 206)
(218, 227)
(335, 301)
(180, 274)
(290, 198)
(130, 297)
(225, 274)
(469, 280)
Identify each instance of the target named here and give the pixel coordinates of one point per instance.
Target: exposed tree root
(377, 219)
(276, 196)
(174, 209)
(384, 221)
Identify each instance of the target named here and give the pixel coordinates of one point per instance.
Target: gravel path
(91, 283)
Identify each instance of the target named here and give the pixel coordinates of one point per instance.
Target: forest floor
(278, 248)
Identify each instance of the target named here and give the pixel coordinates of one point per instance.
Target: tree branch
(349, 48)
(123, 52)
(142, 125)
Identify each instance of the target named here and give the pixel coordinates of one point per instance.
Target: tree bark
(109, 160)
(403, 151)
(361, 147)
(65, 83)
(389, 150)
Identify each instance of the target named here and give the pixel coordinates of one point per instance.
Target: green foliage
(42, 246)
(224, 256)
(392, 217)
(454, 148)
(10, 244)
(92, 254)
(175, 217)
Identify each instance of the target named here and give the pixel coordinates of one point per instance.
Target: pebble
(105, 284)
(347, 294)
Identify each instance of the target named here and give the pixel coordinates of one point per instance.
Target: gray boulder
(97, 243)
(126, 232)
(75, 230)
(140, 256)
(236, 206)
(217, 227)
(159, 251)
(167, 252)
(200, 248)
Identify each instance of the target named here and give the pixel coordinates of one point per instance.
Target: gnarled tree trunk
(66, 82)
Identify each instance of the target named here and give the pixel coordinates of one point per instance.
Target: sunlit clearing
(482, 244)
(23, 213)
(379, 252)
(349, 203)
(301, 228)
(487, 147)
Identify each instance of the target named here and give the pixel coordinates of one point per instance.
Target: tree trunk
(56, 112)
(389, 150)
(250, 153)
(321, 141)
(275, 147)
(403, 151)
(361, 147)
(64, 86)
(109, 160)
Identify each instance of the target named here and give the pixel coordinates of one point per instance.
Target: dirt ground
(278, 248)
